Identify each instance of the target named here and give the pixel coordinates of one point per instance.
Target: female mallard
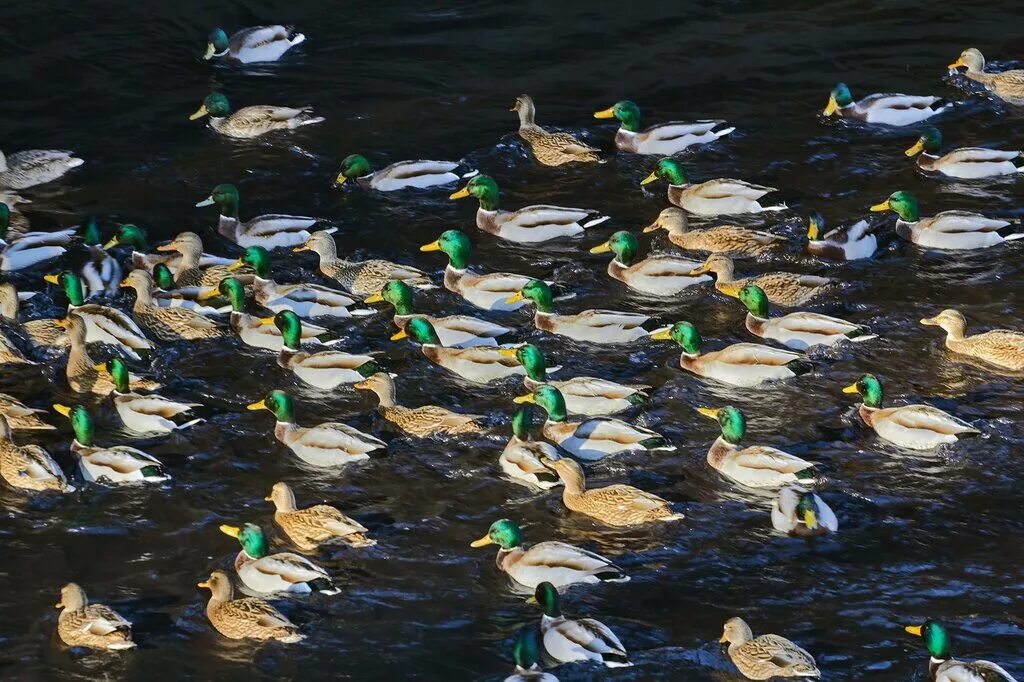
(166, 294)
(92, 626)
(83, 377)
(767, 656)
(999, 347)
(323, 445)
(266, 573)
(664, 139)
(756, 466)
(840, 243)
(255, 331)
(800, 512)
(786, 289)
(742, 364)
(945, 230)
(660, 274)
(314, 526)
(966, 162)
(44, 332)
(102, 272)
(711, 198)
(326, 369)
(253, 44)
(421, 422)
(942, 667)
(490, 291)
(115, 464)
(149, 413)
(729, 239)
(530, 224)
(521, 458)
(593, 438)
(526, 653)
(10, 354)
(552, 562)
(1007, 86)
(28, 467)
(271, 231)
(167, 324)
(35, 167)
(360, 277)
(893, 110)
(18, 252)
(189, 274)
(480, 364)
(101, 324)
(135, 236)
(246, 618)
(252, 121)
(567, 640)
(918, 427)
(550, 149)
(400, 175)
(20, 416)
(800, 330)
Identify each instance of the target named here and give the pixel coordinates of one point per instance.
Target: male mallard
(530, 224)
(741, 364)
(664, 139)
(83, 377)
(765, 657)
(567, 640)
(490, 291)
(326, 369)
(894, 110)
(942, 667)
(660, 274)
(999, 347)
(93, 626)
(166, 294)
(266, 573)
(798, 511)
(20, 416)
(945, 230)
(399, 175)
(711, 198)
(729, 239)
(101, 272)
(526, 652)
(246, 618)
(271, 231)
(148, 413)
(255, 331)
(189, 274)
(840, 243)
(134, 236)
(252, 121)
(1007, 86)
(965, 162)
(253, 44)
(756, 466)
(167, 324)
(786, 289)
(314, 526)
(360, 277)
(101, 324)
(28, 467)
(114, 464)
(800, 330)
(480, 364)
(550, 149)
(18, 252)
(421, 422)
(35, 167)
(521, 458)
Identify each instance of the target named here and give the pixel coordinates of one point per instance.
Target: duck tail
(805, 474)
(724, 131)
(777, 207)
(616, 576)
(153, 473)
(941, 104)
(638, 399)
(861, 334)
(296, 39)
(198, 420)
(1016, 235)
(1018, 162)
(596, 221)
(657, 443)
(323, 585)
(800, 366)
(616, 660)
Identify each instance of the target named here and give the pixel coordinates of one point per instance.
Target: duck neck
(720, 449)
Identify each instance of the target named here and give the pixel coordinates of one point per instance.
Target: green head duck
(627, 113)
(550, 399)
(870, 389)
(732, 421)
(669, 170)
(279, 403)
(504, 533)
(455, 245)
(903, 204)
(484, 188)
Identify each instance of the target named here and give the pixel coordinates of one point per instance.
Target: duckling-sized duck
(550, 149)
(255, 331)
(44, 332)
(314, 526)
(421, 422)
(271, 231)
(530, 224)
(567, 640)
(786, 289)
(728, 239)
(942, 667)
(999, 347)
(660, 274)
(18, 252)
(526, 653)
(893, 110)
(115, 464)
(401, 174)
(521, 458)
(326, 369)
(28, 467)
(360, 277)
(92, 626)
(253, 44)
(946, 230)
(35, 167)
(966, 162)
(765, 657)
(324, 445)
(83, 377)
(253, 121)
(132, 235)
(800, 512)
(1007, 86)
(149, 413)
(246, 618)
(167, 324)
(664, 139)
(799, 330)
(267, 573)
(189, 274)
(167, 295)
(101, 272)
(480, 364)
(101, 324)
(840, 243)
(20, 416)
(711, 198)
(490, 291)
(756, 466)
(741, 364)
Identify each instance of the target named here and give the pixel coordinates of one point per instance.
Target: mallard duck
(946, 230)
(19, 224)
(550, 149)
(253, 121)
(729, 239)
(101, 272)
(101, 324)
(255, 331)
(44, 332)
(253, 44)
(1007, 86)
(167, 324)
(711, 198)
(167, 295)
(741, 364)
(115, 464)
(786, 289)
(401, 174)
(429, 420)
(314, 526)
(567, 640)
(767, 656)
(893, 110)
(28, 467)
(93, 626)
(10, 353)
(798, 511)
(20, 416)
(189, 274)
(134, 236)
(756, 466)
(526, 652)
(360, 277)
(840, 243)
(966, 162)
(35, 167)
(521, 458)
(271, 231)
(530, 224)
(557, 563)
(83, 377)
(323, 445)
(591, 439)
(660, 274)
(942, 667)
(149, 413)
(326, 369)
(664, 139)
(266, 573)
(18, 252)
(490, 291)
(999, 347)
(246, 618)
(800, 330)
(480, 364)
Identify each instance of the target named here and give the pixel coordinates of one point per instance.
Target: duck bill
(652, 227)
(482, 542)
(832, 106)
(62, 323)
(915, 630)
(52, 279)
(698, 270)
(124, 284)
(399, 336)
(723, 639)
(811, 520)
(709, 412)
(268, 499)
(916, 149)
(461, 194)
(852, 388)
(59, 605)
(300, 249)
(62, 409)
(650, 178)
(210, 51)
(432, 246)
(605, 113)
(362, 384)
(528, 398)
(374, 298)
(208, 201)
(237, 264)
(930, 321)
(207, 294)
(203, 584)
(958, 63)
(663, 335)
(266, 320)
(111, 244)
(507, 352)
(602, 248)
(340, 180)
(259, 405)
(101, 367)
(198, 113)
(166, 247)
(884, 206)
(233, 531)
(515, 298)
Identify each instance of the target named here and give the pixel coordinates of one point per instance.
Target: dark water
(922, 535)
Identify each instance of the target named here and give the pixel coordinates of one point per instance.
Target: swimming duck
(167, 324)
(966, 162)
(567, 640)
(43, 332)
(711, 198)
(530, 224)
(521, 458)
(526, 652)
(999, 347)
(134, 236)
(729, 239)
(490, 291)
(942, 667)
(10, 354)
(786, 289)
(246, 618)
(945, 230)
(765, 657)
(323, 445)
(756, 466)
(167, 295)
(83, 377)
(189, 274)
(28, 467)
(399, 175)
(550, 149)
(101, 272)
(660, 274)
(93, 626)
(35, 167)
(253, 121)
(115, 464)
(314, 526)
(664, 139)
(20, 416)
(266, 573)
(271, 231)
(800, 330)
(1007, 86)
(148, 413)
(840, 243)
(360, 277)
(421, 422)
(18, 252)
(800, 512)
(894, 110)
(255, 331)
(253, 44)
(480, 364)
(101, 324)
(326, 369)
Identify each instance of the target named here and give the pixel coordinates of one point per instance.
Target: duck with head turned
(101, 272)
(189, 274)
(942, 667)
(148, 413)
(893, 110)
(252, 121)
(81, 371)
(950, 230)
(1000, 348)
(360, 277)
(28, 467)
(799, 512)
(134, 236)
(664, 139)
(401, 174)
(421, 422)
(253, 44)
(1007, 85)
(710, 198)
(729, 239)
(521, 460)
(271, 231)
(550, 149)
(165, 323)
(102, 324)
(526, 652)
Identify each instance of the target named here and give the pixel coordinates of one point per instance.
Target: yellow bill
(650, 178)
(832, 106)
(299, 249)
(432, 246)
(210, 51)
(207, 294)
(166, 247)
(233, 531)
(482, 542)
(399, 336)
(62, 409)
(112, 243)
(101, 367)
(652, 227)
(461, 194)
(508, 352)
(515, 298)
(663, 335)
(957, 63)
(852, 388)
(203, 584)
(198, 113)
(884, 206)
(237, 264)
(374, 298)
(723, 639)
(916, 149)
(602, 248)
(709, 412)
(260, 405)
(811, 519)
(266, 320)
(52, 279)
(62, 323)
(124, 284)
(605, 113)
(340, 180)
(914, 630)
(528, 398)
(930, 321)
(361, 384)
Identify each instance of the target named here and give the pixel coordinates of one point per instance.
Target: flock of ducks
(181, 294)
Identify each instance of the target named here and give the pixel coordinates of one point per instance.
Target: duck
(729, 239)
(999, 347)
(114, 464)
(189, 274)
(167, 295)
(326, 369)
(557, 563)
(132, 235)
(787, 289)
(479, 364)
(266, 573)
(660, 274)
(521, 458)
(91, 626)
(526, 653)
(951, 230)
(917, 427)
(150, 413)
(747, 365)
(799, 330)
(421, 422)
(310, 528)
(799, 512)
(81, 372)
(28, 249)
(530, 224)
(594, 438)
(893, 110)
(566, 640)
(10, 354)
(28, 467)
(325, 445)
(21, 417)
(253, 44)
(1007, 86)
(252, 121)
(966, 162)
(101, 273)
(271, 231)
(101, 324)
(488, 292)
(852, 242)
(942, 667)
(42, 332)
(765, 657)
(167, 324)
(550, 149)
(34, 167)
(711, 198)
(246, 618)
(259, 332)
(664, 139)
(755, 466)
(400, 175)
(360, 277)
